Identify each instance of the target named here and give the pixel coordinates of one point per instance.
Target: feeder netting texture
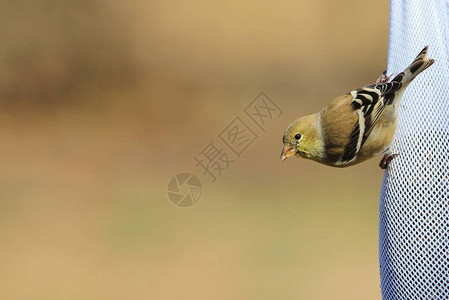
(414, 202)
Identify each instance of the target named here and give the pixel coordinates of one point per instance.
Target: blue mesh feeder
(414, 202)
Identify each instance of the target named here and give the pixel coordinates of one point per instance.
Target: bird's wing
(369, 103)
(348, 120)
(372, 100)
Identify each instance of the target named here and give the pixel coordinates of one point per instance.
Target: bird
(356, 126)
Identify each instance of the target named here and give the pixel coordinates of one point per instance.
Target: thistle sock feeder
(414, 201)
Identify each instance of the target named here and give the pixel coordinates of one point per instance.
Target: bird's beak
(287, 152)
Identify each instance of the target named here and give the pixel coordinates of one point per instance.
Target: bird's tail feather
(420, 63)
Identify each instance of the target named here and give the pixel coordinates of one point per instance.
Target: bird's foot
(383, 78)
(386, 160)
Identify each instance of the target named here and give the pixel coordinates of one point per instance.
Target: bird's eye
(298, 136)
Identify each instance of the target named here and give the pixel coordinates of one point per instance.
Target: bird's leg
(386, 160)
(383, 78)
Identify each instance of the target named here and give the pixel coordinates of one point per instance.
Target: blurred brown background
(102, 102)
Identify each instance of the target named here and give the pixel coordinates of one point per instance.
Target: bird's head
(302, 139)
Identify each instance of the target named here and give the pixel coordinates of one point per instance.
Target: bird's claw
(385, 162)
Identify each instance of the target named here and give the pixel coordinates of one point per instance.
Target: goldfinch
(356, 126)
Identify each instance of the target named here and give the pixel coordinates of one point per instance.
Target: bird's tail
(420, 63)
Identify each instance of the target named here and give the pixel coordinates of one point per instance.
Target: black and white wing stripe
(368, 102)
